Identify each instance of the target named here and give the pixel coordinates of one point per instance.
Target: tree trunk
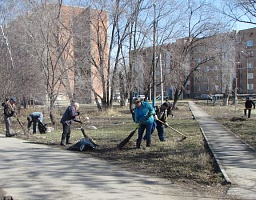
(97, 103)
(52, 117)
(175, 99)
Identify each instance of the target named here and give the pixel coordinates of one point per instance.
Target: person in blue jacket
(144, 118)
(34, 118)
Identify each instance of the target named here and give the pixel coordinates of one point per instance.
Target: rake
(179, 139)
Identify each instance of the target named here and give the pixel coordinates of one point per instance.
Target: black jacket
(249, 103)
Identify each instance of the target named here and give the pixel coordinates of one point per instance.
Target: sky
(242, 26)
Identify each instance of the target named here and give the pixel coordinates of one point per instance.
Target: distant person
(144, 117)
(9, 111)
(66, 120)
(162, 113)
(34, 117)
(248, 106)
(3, 103)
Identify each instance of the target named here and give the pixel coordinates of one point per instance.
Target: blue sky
(241, 26)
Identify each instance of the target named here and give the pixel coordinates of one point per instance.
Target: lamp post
(246, 70)
(154, 58)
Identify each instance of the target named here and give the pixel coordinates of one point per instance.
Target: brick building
(63, 42)
(246, 61)
(216, 63)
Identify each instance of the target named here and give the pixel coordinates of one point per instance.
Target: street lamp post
(154, 58)
(246, 74)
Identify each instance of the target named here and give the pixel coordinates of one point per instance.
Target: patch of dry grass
(186, 162)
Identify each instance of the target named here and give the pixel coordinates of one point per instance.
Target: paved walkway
(236, 159)
(37, 172)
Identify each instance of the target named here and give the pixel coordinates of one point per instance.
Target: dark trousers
(65, 134)
(34, 121)
(160, 130)
(141, 130)
(249, 112)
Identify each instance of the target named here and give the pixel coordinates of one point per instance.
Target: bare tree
(47, 35)
(199, 22)
(18, 73)
(239, 11)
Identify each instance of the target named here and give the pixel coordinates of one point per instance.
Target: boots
(148, 143)
(63, 141)
(138, 143)
(68, 140)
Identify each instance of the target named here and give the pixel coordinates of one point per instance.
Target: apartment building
(216, 58)
(246, 61)
(218, 64)
(63, 43)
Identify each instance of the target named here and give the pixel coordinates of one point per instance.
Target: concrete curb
(225, 175)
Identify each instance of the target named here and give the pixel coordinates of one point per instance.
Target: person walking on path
(34, 118)
(66, 120)
(162, 113)
(248, 106)
(9, 111)
(144, 117)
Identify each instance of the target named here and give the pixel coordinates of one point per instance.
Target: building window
(250, 64)
(198, 88)
(207, 68)
(198, 79)
(216, 88)
(216, 77)
(250, 86)
(250, 76)
(207, 87)
(249, 43)
(215, 67)
(224, 55)
(250, 53)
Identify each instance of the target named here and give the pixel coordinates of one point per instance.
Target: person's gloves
(149, 114)
(78, 113)
(156, 118)
(137, 125)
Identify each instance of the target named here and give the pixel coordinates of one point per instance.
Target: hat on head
(13, 99)
(137, 100)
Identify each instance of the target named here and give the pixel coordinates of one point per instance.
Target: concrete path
(236, 159)
(37, 172)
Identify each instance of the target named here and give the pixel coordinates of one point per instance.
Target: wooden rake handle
(172, 128)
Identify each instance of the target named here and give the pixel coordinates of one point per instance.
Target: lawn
(187, 162)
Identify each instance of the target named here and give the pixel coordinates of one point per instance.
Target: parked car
(140, 96)
(117, 97)
(160, 97)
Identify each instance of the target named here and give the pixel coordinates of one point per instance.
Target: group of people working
(149, 118)
(145, 116)
(37, 117)
(9, 112)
